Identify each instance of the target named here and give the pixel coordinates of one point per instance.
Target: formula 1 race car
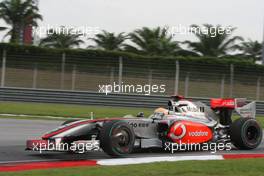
(183, 121)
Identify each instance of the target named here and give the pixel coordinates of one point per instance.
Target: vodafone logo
(178, 132)
(198, 133)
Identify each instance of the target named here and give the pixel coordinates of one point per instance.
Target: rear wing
(240, 105)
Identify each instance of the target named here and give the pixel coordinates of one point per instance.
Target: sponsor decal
(179, 131)
(198, 133)
(139, 125)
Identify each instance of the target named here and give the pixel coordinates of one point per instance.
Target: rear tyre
(117, 138)
(246, 133)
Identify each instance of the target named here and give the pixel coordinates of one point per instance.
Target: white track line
(29, 161)
(126, 161)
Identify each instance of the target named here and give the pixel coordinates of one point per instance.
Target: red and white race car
(183, 122)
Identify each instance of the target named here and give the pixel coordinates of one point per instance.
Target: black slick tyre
(246, 133)
(117, 138)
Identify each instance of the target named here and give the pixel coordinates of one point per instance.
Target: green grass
(75, 111)
(64, 110)
(260, 119)
(243, 167)
(189, 168)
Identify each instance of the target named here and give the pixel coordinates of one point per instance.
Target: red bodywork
(187, 132)
(48, 135)
(223, 103)
(38, 143)
(180, 131)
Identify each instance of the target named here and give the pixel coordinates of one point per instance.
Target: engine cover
(187, 132)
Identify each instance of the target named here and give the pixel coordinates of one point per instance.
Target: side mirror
(140, 114)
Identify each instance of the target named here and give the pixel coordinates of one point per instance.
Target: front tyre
(117, 138)
(246, 133)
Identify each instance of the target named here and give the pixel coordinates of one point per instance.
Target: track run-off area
(15, 132)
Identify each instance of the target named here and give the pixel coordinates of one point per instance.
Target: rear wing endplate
(246, 110)
(240, 105)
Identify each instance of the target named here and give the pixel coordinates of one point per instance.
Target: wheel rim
(121, 139)
(252, 134)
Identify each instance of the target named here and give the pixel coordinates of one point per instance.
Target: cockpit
(184, 106)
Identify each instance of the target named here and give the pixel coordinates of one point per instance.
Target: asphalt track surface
(14, 133)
